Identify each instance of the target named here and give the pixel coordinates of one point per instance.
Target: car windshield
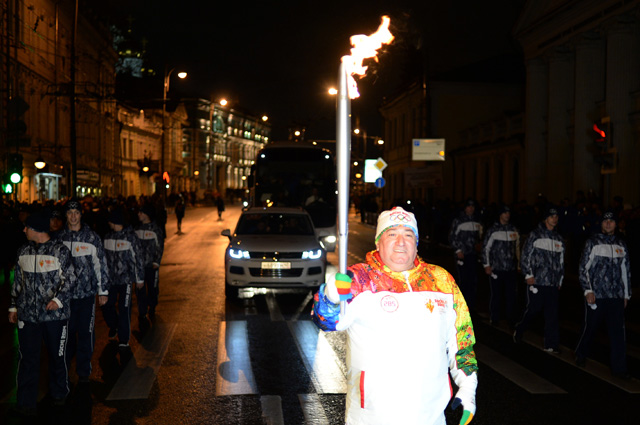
(274, 224)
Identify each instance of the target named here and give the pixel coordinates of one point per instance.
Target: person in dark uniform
(542, 264)
(40, 306)
(92, 278)
(500, 251)
(605, 278)
(152, 248)
(122, 250)
(465, 238)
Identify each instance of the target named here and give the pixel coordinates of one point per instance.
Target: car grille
(275, 273)
(275, 255)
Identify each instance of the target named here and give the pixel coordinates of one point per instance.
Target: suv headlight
(238, 254)
(312, 255)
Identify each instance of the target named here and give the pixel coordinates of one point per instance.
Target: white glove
(330, 289)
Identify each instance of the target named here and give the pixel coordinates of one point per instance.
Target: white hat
(396, 216)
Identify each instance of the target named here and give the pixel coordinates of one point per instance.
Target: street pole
(165, 89)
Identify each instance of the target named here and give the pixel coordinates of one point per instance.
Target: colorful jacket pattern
(406, 330)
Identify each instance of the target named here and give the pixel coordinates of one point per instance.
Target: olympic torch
(363, 47)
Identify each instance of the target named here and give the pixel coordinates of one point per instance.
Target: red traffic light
(600, 132)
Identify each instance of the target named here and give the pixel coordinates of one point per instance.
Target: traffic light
(144, 167)
(16, 126)
(14, 167)
(605, 153)
(5, 186)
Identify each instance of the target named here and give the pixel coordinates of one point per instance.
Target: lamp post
(167, 79)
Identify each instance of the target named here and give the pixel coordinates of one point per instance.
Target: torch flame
(365, 47)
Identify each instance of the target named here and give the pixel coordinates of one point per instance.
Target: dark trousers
(503, 292)
(546, 302)
(148, 295)
(611, 312)
(119, 319)
(468, 279)
(30, 337)
(81, 334)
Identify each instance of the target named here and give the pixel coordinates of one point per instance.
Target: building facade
(57, 100)
(224, 143)
(483, 146)
(583, 68)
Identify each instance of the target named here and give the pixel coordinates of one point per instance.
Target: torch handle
(343, 158)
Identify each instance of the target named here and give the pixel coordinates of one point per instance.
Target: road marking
(312, 409)
(234, 373)
(514, 372)
(274, 308)
(272, 409)
(138, 377)
(322, 364)
(302, 305)
(593, 367)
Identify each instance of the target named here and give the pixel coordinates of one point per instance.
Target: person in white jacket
(408, 328)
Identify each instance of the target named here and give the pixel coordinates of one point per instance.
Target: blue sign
(379, 182)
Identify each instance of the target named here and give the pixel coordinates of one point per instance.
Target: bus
(298, 174)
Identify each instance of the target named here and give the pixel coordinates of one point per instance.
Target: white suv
(273, 248)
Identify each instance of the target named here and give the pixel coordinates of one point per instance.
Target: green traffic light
(7, 188)
(15, 178)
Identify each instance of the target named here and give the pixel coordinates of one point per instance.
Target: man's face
(143, 217)
(608, 227)
(551, 221)
(73, 218)
(31, 234)
(398, 248)
(469, 209)
(505, 217)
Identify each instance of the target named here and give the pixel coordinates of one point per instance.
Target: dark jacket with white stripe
(543, 257)
(499, 249)
(604, 267)
(465, 233)
(92, 274)
(122, 250)
(43, 273)
(152, 243)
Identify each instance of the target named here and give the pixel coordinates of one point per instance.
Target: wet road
(260, 360)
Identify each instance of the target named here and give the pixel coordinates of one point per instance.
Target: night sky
(280, 57)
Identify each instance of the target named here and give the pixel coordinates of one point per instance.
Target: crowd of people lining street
(65, 256)
(108, 249)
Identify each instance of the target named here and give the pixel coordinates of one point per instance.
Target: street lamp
(39, 163)
(167, 79)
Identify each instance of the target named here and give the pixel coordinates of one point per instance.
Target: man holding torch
(408, 328)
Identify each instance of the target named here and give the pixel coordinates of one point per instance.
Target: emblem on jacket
(389, 303)
(431, 304)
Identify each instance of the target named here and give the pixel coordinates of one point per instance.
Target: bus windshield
(297, 176)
